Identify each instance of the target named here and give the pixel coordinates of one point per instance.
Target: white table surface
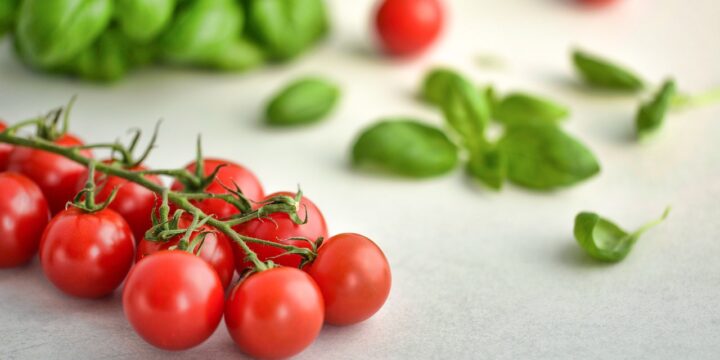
(476, 274)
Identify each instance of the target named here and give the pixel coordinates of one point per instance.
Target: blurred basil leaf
(602, 73)
(143, 20)
(523, 108)
(651, 115)
(306, 100)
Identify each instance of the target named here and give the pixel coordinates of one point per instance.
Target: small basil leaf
(105, 60)
(605, 241)
(304, 101)
(436, 83)
(7, 15)
(467, 112)
(405, 147)
(544, 157)
(602, 73)
(142, 20)
(651, 115)
(522, 108)
(238, 55)
(488, 166)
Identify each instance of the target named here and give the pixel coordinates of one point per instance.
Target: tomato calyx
(165, 228)
(85, 199)
(55, 123)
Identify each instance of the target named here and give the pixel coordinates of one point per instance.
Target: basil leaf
(651, 115)
(467, 111)
(285, 28)
(436, 84)
(544, 157)
(304, 101)
(50, 33)
(489, 166)
(605, 241)
(522, 108)
(143, 20)
(602, 73)
(106, 60)
(405, 147)
(7, 15)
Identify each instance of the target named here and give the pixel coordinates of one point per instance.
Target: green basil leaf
(50, 33)
(522, 108)
(405, 147)
(544, 157)
(8, 9)
(651, 115)
(605, 241)
(436, 84)
(467, 111)
(238, 55)
(602, 73)
(143, 20)
(201, 32)
(106, 60)
(304, 101)
(285, 28)
(489, 166)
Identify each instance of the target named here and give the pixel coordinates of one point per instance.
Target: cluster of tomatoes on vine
(97, 223)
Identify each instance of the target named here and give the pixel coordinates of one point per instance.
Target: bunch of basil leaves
(533, 150)
(103, 39)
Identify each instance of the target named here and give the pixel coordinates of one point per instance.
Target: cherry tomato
(274, 314)
(229, 175)
(354, 277)
(216, 250)
(597, 3)
(5, 150)
(24, 214)
(407, 27)
(278, 227)
(87, 254)
(173, 300)
(58, 177)
(134, 202)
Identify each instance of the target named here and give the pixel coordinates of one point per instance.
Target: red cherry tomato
(57, 177)
(229, 175)
(216, 250)
(24, 214)
(278, 227)
(5, 150)
(134, 202)
(87, 254)
(597, 3)
(274, 314)
(354, 277)
(173, 300)
(407, 27)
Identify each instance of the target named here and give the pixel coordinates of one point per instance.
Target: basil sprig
(405, 147)
(602, 73)
(467, 112)
(605, 241)
(651, 115)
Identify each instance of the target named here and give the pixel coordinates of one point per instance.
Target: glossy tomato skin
(173, 300)
(134, 202)
(215, 250)
(228, 175)
(274, 314)
(5, 150)
(407, 27)
(279, 227)
(87, 254)
(597, 3)
(353, 276)
(57, 177)
(24, 213)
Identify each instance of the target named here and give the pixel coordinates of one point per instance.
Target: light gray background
(476, 274)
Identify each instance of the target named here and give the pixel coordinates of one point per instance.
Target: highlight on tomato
(229, 175)
(274, 314)
(407, 27)
(353, 276)
(280, 228)
(58, 177)
(87, 253)
(24, 213)
(215, 249)
(173, 299)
